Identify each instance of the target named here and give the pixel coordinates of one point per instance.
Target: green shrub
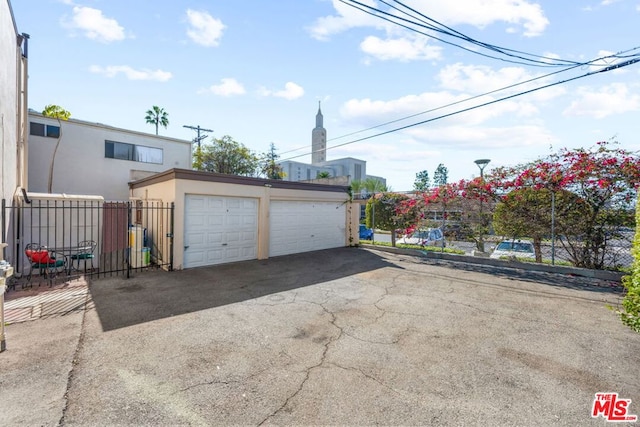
(630, 313)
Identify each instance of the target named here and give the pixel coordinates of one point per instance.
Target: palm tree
(157, 116)
(58, 113)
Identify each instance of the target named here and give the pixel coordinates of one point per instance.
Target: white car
(515, 247)
(428, 237)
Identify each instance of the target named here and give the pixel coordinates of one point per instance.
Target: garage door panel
(214, 221)
(219, 230)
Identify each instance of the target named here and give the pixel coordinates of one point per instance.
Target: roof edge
(193, 175)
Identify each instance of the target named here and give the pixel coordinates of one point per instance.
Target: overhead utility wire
(616, 55)
(610, 68)
(463, 36)
(531, 62)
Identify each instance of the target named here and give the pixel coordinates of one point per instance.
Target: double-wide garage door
(219, 230)
(296, 226)
(225, 229)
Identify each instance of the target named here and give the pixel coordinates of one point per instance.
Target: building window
(37, 129)
(136, 153)
(40, 129)
(53, 131)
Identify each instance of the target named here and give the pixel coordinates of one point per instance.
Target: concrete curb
(583, 272)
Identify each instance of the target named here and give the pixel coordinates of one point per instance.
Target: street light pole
(482, 163)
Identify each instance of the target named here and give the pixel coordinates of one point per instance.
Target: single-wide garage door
(219, 230)
(297, 226)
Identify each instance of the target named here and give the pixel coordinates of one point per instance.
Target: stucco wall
(80, 164)
(9, 61)
(177, 189)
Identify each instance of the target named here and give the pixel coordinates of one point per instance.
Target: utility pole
(198, 129)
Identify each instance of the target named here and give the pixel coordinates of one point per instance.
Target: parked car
(515, 247)
(365, 233)
(427, 237)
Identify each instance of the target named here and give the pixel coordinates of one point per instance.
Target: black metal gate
(86, 237)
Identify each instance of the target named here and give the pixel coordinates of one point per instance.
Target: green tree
(323, 174)
(224, 155)
(526, 212)
(422, 182)
(269, 166)
(158, 117)
(373, 185)
(58, 113)
(382, 213)
(441, 175)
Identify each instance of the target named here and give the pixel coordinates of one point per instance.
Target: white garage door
(305, 226)
(219, 230)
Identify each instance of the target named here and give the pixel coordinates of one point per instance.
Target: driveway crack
(308, 371)
(76, 357)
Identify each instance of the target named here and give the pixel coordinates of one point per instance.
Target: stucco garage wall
(170, 187)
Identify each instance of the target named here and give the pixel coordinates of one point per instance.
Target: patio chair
(85, 252)
(46, 262)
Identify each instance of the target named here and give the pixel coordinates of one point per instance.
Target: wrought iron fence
(85, 237)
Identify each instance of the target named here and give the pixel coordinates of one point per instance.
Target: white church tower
(318, 141)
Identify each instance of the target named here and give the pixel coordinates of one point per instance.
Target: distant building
(97, 159)
(341, 171)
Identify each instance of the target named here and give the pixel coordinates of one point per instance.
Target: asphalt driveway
(341, 337)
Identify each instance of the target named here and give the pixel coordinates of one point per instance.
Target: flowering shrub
(604, 179)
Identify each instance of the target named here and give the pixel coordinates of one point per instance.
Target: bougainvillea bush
(603, 179)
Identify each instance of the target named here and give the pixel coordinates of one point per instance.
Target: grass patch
(420, 248)
(533, 261)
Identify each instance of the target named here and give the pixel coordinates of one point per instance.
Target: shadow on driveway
(156, 295)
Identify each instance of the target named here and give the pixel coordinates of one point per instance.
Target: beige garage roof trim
(233, 179)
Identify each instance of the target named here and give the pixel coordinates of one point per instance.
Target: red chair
(46, 262)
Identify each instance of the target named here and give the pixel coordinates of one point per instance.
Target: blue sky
(255, 70)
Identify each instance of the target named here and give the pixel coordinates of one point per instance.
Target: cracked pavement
(339, 337)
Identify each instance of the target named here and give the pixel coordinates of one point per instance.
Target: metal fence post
(171, 237)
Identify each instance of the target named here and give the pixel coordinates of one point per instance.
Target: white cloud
(132, 74)
(403, 49)
(227, 87)
(520, 14)
(347, 17)
(204, 29)
(94, 25)
(489, 138)
(290, 92)
(615, 98)
(433, 107)
(482, 79)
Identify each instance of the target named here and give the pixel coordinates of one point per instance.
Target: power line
(604, 70)
(618, 55)
(373, 11)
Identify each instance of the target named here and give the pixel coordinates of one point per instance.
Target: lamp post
(482, 163)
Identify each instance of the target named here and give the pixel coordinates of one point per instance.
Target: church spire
(319, 117)
(318, 140)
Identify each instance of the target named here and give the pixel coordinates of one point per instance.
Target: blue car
(365, 233)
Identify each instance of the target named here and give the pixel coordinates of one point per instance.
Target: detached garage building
(226, 218)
